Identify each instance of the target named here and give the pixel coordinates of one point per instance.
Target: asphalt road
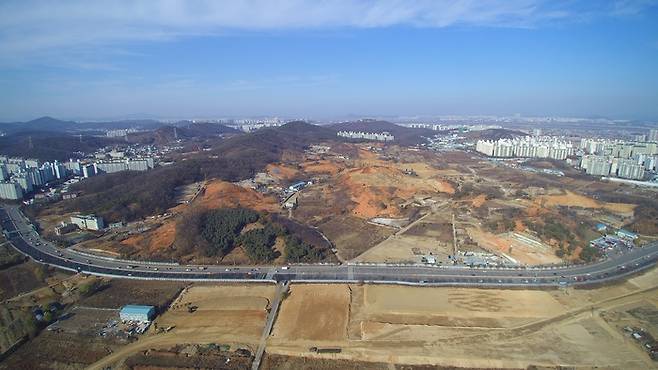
(24, 238)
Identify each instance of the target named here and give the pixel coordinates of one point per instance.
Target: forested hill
(167, 134)
(131, 196)
(495, 134)
(55, 125)
(48, 146)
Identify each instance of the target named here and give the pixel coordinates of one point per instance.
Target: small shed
(133, 312)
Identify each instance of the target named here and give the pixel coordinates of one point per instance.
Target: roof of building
(137, 309)
(626, 232)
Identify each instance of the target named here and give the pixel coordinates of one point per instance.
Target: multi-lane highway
(24, 238)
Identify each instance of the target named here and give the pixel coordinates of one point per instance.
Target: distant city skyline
(301, 58)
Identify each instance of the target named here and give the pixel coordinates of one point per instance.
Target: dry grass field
(572, 199)
(468, 307)
(314, 312)
(232, 310)
(223, 314)
(472, 328)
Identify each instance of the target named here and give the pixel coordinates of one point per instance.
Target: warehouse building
(626, 234)
(88, 222)
(133, 312)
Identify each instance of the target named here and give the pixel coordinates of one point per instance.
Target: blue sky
(324, 59)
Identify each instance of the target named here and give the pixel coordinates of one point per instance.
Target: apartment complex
(628, 160)
(20, 176)
(526, 147)
(378, 136)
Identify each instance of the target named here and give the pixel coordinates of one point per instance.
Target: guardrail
(122, 260)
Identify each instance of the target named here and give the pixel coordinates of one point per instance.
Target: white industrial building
(140, 313)
(88, 222)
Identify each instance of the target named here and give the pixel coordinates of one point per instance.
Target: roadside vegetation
(8, 256)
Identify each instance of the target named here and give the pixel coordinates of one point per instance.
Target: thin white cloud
(32, 29)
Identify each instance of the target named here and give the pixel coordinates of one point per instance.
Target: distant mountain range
(495, 134)
(47, 138)
(56, 125)
(166, 134)
(49, 145)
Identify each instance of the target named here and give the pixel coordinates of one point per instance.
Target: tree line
(215, 233)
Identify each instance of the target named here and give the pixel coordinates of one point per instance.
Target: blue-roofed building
(601, 227)
(133, 312)
(626, 234)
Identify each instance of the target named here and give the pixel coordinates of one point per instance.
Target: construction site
(386, 203)
(339, 325)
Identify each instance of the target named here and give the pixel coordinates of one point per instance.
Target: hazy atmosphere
(329, 185)
(76, 60)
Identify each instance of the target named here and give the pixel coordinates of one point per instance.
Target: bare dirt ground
(480, 328)
(353, 236)
(377, 186)
(223, 314)
(576, 200)
(220, 194)
(314, 312)
(153, 241)
(228, 310)
(404, 249)
(522, 252)
(356, 182)
(282, 172)
(430, 234)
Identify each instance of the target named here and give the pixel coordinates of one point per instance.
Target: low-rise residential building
(65, 228)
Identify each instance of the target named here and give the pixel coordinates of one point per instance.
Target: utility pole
(454, 239)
